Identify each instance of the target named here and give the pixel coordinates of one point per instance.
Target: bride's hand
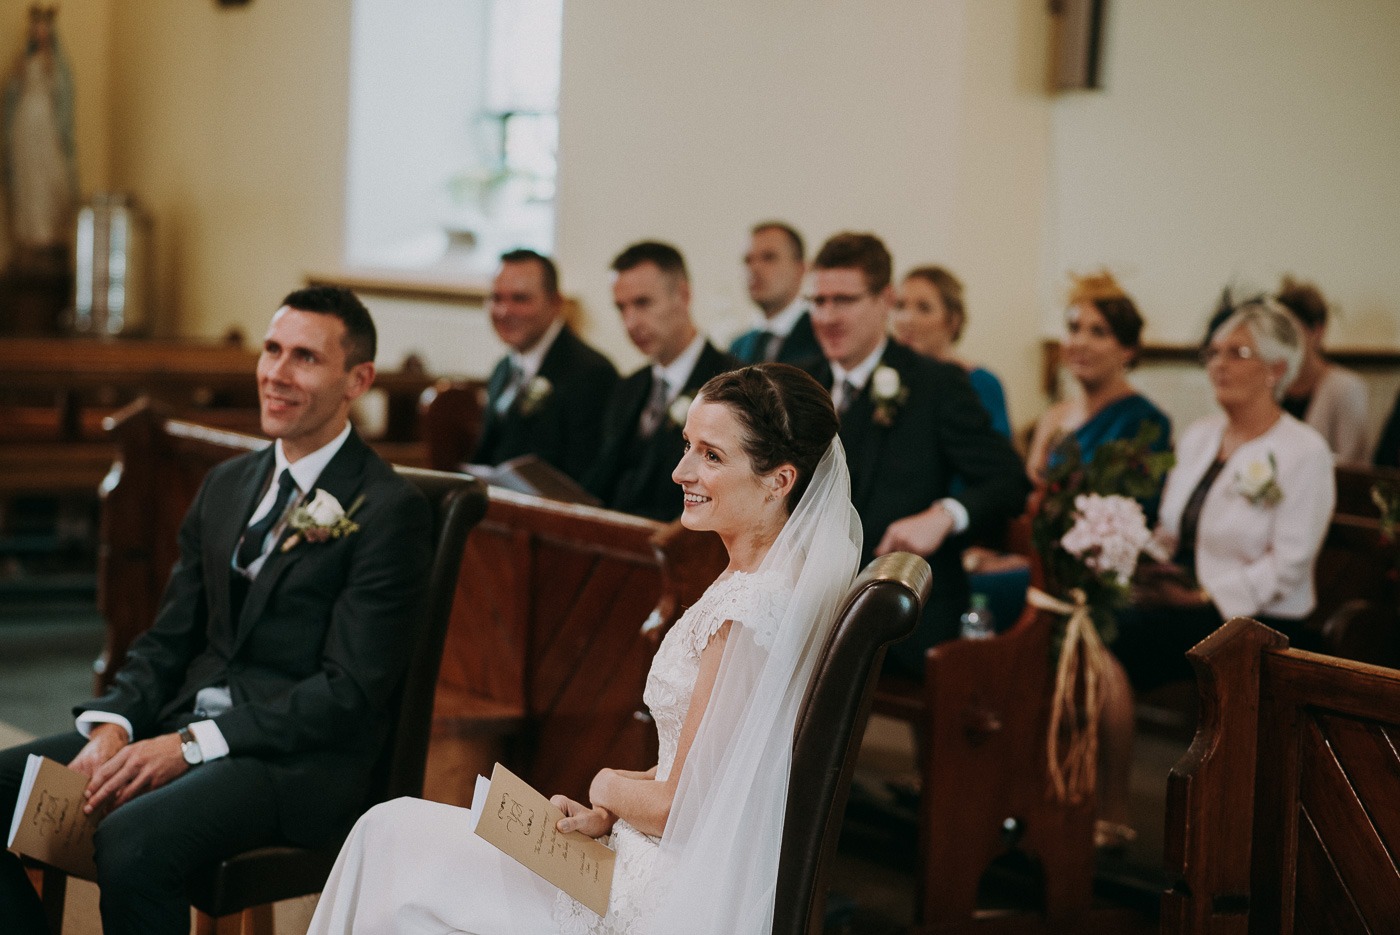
(594, 822)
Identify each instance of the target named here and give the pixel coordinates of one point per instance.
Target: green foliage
(1123, 467)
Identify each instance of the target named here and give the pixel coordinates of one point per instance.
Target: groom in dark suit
(546, 396)
(775, 266)
(909, 425)
(641, 443)
(253, 710)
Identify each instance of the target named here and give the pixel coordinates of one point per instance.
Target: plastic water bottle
(977, 623)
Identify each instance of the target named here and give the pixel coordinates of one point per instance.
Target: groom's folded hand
(138, 767)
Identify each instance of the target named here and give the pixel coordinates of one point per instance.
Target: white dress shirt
(677, 372)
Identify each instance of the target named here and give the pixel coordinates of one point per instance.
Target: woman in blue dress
(929, 317)
(1103, 335)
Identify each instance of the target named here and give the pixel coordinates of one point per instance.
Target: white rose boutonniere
(321, 518)
(680, 408)
(536, 392)
(888, 393)
(1257, 482)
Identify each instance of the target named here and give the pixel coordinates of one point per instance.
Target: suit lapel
(342, 479)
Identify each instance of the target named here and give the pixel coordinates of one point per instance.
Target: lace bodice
(754, 601)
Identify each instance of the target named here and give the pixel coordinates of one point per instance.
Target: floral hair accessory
(680, 408)
(321, 518)
(536, 392)
(888, 393)
(1257, 482)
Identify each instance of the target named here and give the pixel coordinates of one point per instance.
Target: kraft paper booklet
(49, 824)
(510, 814)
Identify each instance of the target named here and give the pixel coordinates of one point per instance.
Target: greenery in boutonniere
(888, 393)
(1082, 530)
(536, 392)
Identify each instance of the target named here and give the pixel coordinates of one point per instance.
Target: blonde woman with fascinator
(697, 836)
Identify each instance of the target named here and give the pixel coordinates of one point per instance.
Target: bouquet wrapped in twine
(1090, 531)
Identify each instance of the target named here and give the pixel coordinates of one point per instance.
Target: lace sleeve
(753, 601)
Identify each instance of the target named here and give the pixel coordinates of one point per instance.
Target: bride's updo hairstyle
(786, 417)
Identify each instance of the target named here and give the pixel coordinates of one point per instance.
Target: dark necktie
(512, 388)
(848, 396)
(256, 535)
(772, 344)
(655, 410)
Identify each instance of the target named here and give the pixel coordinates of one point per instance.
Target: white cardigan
(1254, 559)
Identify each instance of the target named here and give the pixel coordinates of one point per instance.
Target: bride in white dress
(697, 836)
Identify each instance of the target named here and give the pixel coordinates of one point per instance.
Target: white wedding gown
(412, 867)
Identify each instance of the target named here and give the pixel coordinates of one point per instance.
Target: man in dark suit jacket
(775, 267)
(253, 710)
(909, 425)
(642, 442)
(546, 396)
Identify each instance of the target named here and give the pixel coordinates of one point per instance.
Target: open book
(528, 474)
(510, 814)
(49, 824)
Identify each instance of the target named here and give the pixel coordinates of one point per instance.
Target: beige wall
(230, 125)
(1231, 139)
(1238, 139)
(923, 121)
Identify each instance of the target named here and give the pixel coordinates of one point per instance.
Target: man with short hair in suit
(909, 425)
(254, 709)
(642, 442)
(546, 396)
(775, 267)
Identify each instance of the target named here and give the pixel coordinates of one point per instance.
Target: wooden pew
(985, 785)
(1284, 815)
(558, 610)
(453, 411)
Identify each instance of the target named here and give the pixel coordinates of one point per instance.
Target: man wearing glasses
(909, 425)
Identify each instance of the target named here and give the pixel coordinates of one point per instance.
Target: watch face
(193, 755)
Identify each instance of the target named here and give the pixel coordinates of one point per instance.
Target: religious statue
(40, 168)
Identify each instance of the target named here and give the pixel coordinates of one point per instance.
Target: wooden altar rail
(558, 610)
(1284, 814)
(56, 392)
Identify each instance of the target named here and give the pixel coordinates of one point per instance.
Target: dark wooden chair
(883, 606)
(267, 875)
(1284, 814)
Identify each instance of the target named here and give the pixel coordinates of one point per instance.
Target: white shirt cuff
(957, 511)
(87, 719)
(211, 740)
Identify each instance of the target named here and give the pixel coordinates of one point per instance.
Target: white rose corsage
(888, 393)
(536, 392)
(680, 408)
(321, 518)
(1257, 482)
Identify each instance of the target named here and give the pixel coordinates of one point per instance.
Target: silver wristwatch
(189, 747)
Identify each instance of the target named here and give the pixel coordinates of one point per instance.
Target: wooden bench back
(1284, 815)
(559, 610)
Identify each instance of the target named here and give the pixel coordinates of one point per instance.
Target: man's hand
(594, 822)
(137, 768)
(104, 740)
(921, 533)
